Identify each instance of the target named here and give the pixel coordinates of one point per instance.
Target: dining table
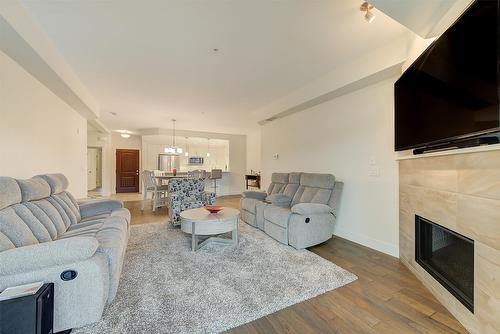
(162, 178)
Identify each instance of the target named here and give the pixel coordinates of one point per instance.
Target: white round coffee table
(201, 222)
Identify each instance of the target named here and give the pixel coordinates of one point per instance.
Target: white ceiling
(151, 61)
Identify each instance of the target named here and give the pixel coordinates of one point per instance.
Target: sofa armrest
(47, 254)
(89, 208)
(260, 195)
(279, 200)
(310, 208)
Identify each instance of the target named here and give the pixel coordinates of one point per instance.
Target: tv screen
(452, 90)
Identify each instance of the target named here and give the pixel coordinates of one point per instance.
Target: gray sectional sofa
(45, 232)
(299, 209)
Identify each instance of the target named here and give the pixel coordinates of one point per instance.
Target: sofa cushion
(14, 228)
(310, 208)
(66, 200)
(279, 177)
(5, 243)
(276, 188)
(9, 192)
(34, 189)
(83, 225)
(64, 211)
(277, 215)
(311, 195)
(34, 224)
(93, 208)
(294, 177)
(279, 200)
(82, 231)
(101, 216)
(314, 180)
(57, 182)
(260, 195)
(278, 183)
(314, 188)
(48, 215)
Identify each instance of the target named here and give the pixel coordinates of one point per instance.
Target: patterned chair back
(187, 187)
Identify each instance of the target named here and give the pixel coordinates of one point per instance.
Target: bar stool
(215, 175)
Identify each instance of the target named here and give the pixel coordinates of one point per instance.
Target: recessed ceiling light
(216, 50)
(124, 133)
(113, 113)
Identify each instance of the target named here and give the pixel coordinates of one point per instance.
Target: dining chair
(159, 192)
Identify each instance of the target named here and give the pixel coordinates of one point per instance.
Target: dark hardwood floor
(386, 297)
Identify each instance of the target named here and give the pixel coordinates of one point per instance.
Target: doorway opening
(94, 170)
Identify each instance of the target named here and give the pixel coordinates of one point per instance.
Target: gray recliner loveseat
(44, 232)
(299, 209)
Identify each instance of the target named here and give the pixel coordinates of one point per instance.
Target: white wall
(26, 42)
(254, 150)
(341, 137)
(39, 133)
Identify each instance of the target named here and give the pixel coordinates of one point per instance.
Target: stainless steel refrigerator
(167, 162)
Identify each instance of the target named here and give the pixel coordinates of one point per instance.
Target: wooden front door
(127, 171)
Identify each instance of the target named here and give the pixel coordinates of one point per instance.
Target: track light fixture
(366, 7)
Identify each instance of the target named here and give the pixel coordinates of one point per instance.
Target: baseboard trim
(381, 246)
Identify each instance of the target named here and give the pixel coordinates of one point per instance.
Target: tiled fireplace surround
(462, 193)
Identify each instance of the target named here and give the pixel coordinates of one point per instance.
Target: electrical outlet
(276, 156)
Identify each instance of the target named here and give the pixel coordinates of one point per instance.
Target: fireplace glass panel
(448, 257)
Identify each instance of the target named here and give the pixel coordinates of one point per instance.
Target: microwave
(195, 160)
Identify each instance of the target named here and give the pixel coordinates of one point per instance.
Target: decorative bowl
(213, 208)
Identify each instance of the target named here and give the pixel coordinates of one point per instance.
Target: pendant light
(187, 147)
(173, 150)
(208, 147)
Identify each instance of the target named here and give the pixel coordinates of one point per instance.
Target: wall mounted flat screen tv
(452, 90)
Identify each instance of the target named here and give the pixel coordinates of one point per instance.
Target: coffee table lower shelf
(199, 222)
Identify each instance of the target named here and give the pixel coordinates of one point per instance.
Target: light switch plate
(374, 172)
